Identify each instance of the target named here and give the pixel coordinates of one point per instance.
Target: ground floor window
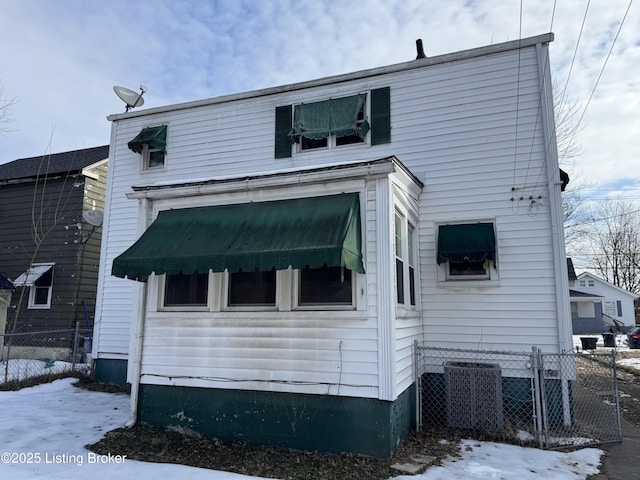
(186, 290)
(326, 285)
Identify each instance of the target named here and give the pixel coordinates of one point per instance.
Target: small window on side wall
(40, 292)
(467, 251)
(151, 145)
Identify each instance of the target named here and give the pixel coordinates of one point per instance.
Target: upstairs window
(334, 122)
(151, 145)
(39, 279)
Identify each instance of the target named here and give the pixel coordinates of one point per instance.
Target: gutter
(565, 342)
(137, 333)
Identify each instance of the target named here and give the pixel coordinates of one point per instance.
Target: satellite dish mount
(129, 97)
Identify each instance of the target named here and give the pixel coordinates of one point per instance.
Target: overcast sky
(59, 60)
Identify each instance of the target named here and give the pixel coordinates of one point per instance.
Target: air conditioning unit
(474, 396)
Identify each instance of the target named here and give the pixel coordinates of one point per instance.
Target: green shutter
(283, 127)
(380, 116)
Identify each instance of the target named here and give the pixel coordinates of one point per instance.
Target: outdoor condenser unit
(474, 396)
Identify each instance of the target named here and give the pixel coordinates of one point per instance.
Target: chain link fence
(27, 357)
(527, 398)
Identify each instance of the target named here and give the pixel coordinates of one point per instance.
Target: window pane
(398, 234)
(186, 289)
(399, 281)
(310, 143)
(410, 236)
(252, 288)
(467, 268)
(41, 296)
(325, 285)
(156, 158)
(412, 286)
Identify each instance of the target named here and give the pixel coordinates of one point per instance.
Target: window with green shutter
(334, 122)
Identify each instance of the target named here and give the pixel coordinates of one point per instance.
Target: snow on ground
(630, 362)
(22, 368)
(43, 431)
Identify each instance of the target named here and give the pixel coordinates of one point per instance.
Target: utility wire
(605, 61)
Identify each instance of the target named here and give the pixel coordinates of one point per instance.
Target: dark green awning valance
(473, 242)
(250, 237)
(155, 137)
(337, 116)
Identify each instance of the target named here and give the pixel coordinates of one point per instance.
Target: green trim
(110, 371)
(380, 116)
(283, 127)
(256, 236)
(306, 422)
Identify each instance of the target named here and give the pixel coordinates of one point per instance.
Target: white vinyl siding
(461, 128)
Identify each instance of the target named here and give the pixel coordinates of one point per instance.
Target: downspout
(137, 333)
(565, 342)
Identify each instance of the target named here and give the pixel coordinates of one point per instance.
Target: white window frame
(490, 278)
(32, 291)
(295, 295)
(408, 256)
(161, 281)
(331, 139)
(608, 306)
(145, 156)
(224, 297)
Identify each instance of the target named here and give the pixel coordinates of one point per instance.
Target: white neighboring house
(270, 257)
(598, 306)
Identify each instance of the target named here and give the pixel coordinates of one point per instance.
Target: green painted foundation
(110, 371)
(322, 423)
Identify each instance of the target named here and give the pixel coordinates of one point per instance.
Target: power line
(605, 62)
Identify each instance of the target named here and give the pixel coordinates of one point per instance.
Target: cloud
(64, 57)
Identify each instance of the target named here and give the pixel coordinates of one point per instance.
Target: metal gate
(529, 398)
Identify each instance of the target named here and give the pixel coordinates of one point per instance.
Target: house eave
(367, 169)
(332, 80)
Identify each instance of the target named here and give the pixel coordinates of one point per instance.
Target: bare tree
(614, 241)
(6, 110)
(49, 210)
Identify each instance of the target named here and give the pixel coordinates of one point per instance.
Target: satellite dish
(93, 217)
(131, 98)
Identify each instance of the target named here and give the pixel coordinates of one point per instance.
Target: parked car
(633, 337)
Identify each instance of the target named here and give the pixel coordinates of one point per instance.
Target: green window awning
(250, 237)
(473, 242)
(155, 137)
(337, 116)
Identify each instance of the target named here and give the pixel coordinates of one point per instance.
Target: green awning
(473, 242)
(155, 137)
(250, 237)
(337, 116)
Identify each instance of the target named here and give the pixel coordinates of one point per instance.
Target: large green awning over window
(250, 237)
(473, 242)
(155, 137)
(337, 116)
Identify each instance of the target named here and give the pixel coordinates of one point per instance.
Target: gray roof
(53, 163)
(5, 283)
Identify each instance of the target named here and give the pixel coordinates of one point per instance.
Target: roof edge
(409, 65)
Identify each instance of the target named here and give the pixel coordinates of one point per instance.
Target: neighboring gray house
(270, 257)
(54, 201)
(597, 306)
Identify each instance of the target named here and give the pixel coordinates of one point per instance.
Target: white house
(598, 306)
(270, 257)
